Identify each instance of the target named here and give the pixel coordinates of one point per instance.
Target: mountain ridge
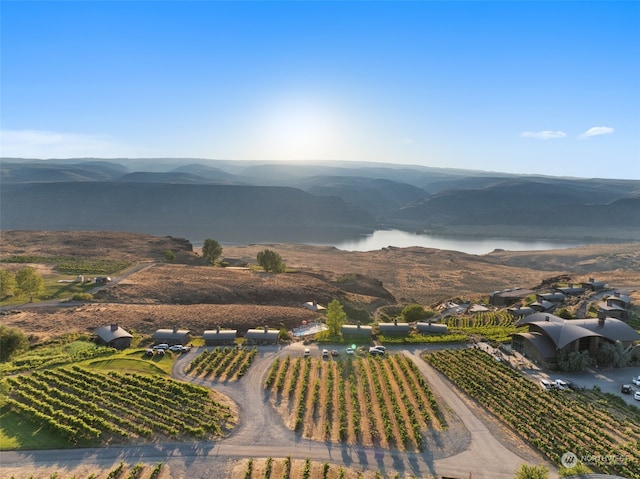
(311, 201)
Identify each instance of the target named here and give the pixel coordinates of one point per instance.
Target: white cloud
(543, 135)
(51, 144)
(596, 131)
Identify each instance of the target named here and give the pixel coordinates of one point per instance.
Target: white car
(636, 381)
(560, 384)
(546, 385)
(307, 352)
(177, 348)
(325, 353)
(636, 395)
(162, 346)
(381, 348)
(350, 351)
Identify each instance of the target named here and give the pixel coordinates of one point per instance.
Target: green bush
(82, 297)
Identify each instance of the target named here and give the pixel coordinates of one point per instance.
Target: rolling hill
(308, 202)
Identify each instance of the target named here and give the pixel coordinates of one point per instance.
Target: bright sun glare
(297, 129)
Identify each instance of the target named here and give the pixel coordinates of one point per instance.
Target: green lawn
(52, 290)
(140, 365)
(18, 433)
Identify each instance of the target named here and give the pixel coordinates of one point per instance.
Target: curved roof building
(548, 335)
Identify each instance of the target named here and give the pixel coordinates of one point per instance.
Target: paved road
(472, 447)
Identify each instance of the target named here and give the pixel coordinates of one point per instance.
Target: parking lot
(609, 381)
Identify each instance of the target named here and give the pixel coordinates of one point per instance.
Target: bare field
(429, 275)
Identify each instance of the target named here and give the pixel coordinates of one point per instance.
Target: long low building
(262, 335)
(172, 336)
(219, 337)
(550, 335)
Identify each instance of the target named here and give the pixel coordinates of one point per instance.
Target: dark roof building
(509, 296)
(521, 311)
(571, 290)
(609, 309)
(549, 335)
(594, 285)
(219, 337)
(356, 330)
(620, 299)
(556, 297)
(262, 335)
(172, 336)
(431, 328)
(394, 329)
(543, 306)
(114, 336)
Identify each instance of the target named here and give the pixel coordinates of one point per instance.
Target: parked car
(334, 352)
(625, 389)
(636, 395)
(376, 352)
(161, 346)
(636, 381)
(381, 348)
(350, 351)
(560, 385)
(149, 352)
(325, 353)
(177, 348)
(307, 352)
(546, 385)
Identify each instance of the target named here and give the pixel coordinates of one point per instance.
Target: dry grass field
(192, 295)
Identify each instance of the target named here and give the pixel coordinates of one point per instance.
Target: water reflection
(401, 239)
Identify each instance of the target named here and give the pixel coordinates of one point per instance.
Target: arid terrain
(190, 294)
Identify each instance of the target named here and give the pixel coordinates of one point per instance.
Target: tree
(575, 470)
(336, 317)
(564, 313)
(29, 282)
(12, 341)
(416, 312)
(270, 261)
(532, 472)
(169, 256)
(574, 361)
(7, 283)
(612, 354)
(211, 250)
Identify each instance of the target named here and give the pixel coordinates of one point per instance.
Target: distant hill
(307, 202)
(227, 213)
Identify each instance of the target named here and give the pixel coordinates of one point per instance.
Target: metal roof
(171, 333)
(222, 334)
(541, 342)
(109, 333)
(564, 331)
(262, 333)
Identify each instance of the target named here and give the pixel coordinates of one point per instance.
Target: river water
(383, 238)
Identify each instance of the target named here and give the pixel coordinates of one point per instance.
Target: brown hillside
(200, 297)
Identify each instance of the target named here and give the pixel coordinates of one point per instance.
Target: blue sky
(537, 87)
